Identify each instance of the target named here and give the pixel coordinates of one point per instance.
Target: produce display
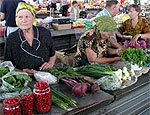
(42, 96)
(3, 71)
(79, 89)
(62, 100)
(12, 106)
(108, 77)
(135, 56)
(27, 102)
(78, 25)
(96, 70)
(66, 72)
(27, 99)
(18, 80)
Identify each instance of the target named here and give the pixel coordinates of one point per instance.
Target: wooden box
(61, 26)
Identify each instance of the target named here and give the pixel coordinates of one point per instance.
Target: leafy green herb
(3, 71)
(60, 74)
(96, 70)
(134, 56)
(18, 80)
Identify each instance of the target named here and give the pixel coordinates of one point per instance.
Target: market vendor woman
(94, 46)
(30, 47)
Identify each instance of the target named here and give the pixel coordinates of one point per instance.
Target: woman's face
(133, 13)
(106, 35)
(25, 19)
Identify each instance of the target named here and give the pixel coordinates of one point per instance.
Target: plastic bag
(45, 76)
(6, 95)
(7, 64)
(26, 91)
(109, 83)
(9, 87)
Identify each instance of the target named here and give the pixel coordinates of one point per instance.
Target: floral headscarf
(105, 24)
(23, 5)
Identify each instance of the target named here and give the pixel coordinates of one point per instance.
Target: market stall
(121, 96)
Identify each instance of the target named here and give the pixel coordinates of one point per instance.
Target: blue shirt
(104, 12)
(8, 7)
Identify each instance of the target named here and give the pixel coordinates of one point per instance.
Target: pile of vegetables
(3, 71)
(79, 89)
(135, 56)
(66, 72)
(17, 80)
(62, 100)
(96, 70)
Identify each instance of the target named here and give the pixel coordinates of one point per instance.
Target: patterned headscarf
(105, 24)
(23, 5)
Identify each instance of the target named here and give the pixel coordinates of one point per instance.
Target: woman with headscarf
(94, 46)
(30, 47)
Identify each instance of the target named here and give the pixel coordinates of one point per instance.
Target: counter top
(56, 33)
(84, 104)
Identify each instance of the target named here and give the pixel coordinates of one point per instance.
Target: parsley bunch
(134, 56)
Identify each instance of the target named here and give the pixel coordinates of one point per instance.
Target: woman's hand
(126, 37)
(119, 50)
(134, 40)
(30, 72)
(45, 65)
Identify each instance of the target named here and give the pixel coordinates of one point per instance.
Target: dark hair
(110, 3)
(135, 6)
(74, 2)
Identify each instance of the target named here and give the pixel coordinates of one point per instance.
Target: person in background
(52, 7)
(30, 47)
(90, 15)
(64, 7)
(136, 27)
(8, 9)
(94, 46)
(142, 14)
(111, 9)
(73, 11)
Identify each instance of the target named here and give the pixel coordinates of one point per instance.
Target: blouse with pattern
(90, 39)
(141, 27)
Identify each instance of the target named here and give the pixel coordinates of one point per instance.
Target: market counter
(85, 104)
(135, 100)
(64, 39)
(56, 33)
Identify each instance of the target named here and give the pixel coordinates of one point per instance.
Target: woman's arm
(92, 57)
(115, 51)
(49, 64)
(30, 72)
(114, 43)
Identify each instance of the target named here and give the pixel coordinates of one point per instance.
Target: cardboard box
(61, 26)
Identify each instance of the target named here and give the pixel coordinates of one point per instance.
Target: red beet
(80, 89)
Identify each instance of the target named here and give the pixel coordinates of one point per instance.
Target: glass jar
(27, 102)
(42, 95)
(12, 106)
